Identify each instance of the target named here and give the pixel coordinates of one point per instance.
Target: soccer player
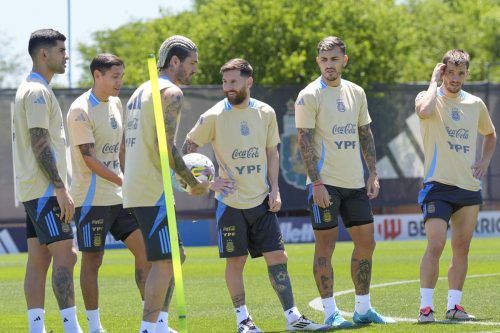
(143, 182)
(333, 124)
(246, 217)
(95, 128)
(40, 165)
(450, 120)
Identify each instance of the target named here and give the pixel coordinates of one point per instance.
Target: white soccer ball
(201, 167)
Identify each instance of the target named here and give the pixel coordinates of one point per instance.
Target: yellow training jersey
(143, 182)
(335, 113)
(36, 106)
(93, 121)
(449, 138)
(239, 139)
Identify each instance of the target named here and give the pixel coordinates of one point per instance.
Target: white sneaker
(459, 314)
(304, 324)
(170, 330)
(248, 326)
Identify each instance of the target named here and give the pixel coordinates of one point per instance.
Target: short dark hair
(103, 62)
(457, 57)
(329, 43)
(176, 45)
(237, 64)
(43, 38)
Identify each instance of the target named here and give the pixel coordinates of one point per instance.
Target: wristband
(317, 184)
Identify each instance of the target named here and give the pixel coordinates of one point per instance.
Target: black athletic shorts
(153, 224)
(240, 231)
(46, 224)
(353, 205)
(440, 201)
(93, 224)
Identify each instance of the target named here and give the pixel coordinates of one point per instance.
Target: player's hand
(224, 186)
(200, 189)
(65, 204)
(274, 200)
(321, 197)
(479, 168)
(437, 74)
(372, 186)
(119, 180)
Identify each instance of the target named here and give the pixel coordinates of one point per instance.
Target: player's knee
(236, 263)
(40, 262)
(66, 259)
(324, 247)
(92, 260)
(435, 247)
(461, 248)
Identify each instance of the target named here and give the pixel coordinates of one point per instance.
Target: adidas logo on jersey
(40, 100)
(301, 102)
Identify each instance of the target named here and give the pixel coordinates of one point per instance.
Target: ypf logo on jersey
(340, 106)
(455, 114)
(244, 129)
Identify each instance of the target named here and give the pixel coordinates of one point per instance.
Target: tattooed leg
(64, 260)
(280, 280)
(170, 292)
(361, 272)
(322, 265)
(234, 280)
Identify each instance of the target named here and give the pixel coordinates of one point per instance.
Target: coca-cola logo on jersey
(346, 129)
(460, 133)
(110, 149)
(252, 152)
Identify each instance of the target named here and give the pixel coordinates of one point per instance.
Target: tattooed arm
(172, 103)
(368, 147)
(47, 162)
(90, 159)
(310, 158)
(189, 147)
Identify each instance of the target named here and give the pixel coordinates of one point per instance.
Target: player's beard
(183, 77)
(332, 76)
(452, 88)
(238, 98)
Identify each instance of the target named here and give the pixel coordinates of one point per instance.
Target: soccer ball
(201, 167)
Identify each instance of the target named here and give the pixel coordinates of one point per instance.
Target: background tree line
(388, 41)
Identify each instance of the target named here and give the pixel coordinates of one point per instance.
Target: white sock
(362, 304)
(36, 320)
(330, 306)
(241, 314)
(292, 314)
(426, 296)
(162, 323)
(70, 321)
(94, 320)
(147, 327)
(454, 298)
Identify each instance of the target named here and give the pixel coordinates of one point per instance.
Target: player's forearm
(273, 167)
(308, 154)
(367, 144)
(189, 147)
(45, 157)
(427, 105)
(101, 170)
(121, 155)
(180, 168)
(489, 145)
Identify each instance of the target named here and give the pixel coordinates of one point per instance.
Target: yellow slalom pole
(169, 194)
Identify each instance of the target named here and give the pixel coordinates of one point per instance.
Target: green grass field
(209, 307)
